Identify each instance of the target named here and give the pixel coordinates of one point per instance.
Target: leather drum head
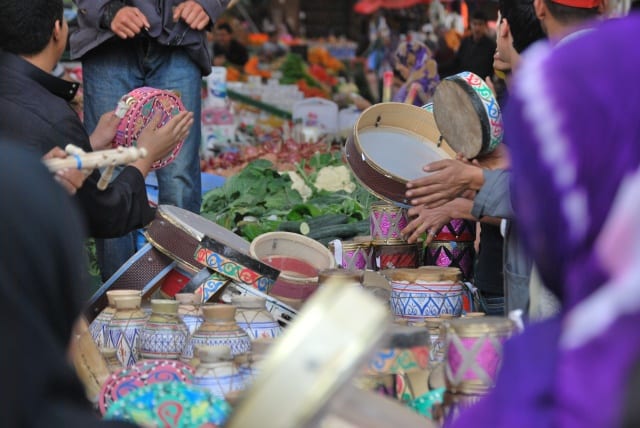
(468, 114)
(390, 144)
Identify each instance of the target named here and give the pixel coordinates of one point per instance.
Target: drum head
(457, 118)
(390, 145)
(467, 114)
(199, 227)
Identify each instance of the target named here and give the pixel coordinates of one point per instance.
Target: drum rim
(435, 145)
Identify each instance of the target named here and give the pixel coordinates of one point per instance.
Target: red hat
(581, 4)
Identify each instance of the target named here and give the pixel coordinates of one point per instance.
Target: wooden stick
(105, 178)
(78, 159)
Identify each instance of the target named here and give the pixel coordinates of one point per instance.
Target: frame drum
(467, 114)
(391, 142)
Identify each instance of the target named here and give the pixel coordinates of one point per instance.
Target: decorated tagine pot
(248, 364)
(189, 311)
(253, 317)
(99, 325)
(111, 357)
(125, 329)
(217, 372)
(164, 336)
(219, 328)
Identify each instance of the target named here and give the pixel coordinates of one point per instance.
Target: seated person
(226, 49)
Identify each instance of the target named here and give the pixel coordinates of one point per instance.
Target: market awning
(369, 6)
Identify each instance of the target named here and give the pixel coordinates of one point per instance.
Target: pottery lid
(248, 302)
(111, 294)
(424, 273)
(213, 354)
(128, 302)
(219, 312)
(340, 277)
(187, 298)
(480, 326)
(164, 306)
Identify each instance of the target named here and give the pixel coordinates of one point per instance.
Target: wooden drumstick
(78, 159)
(105, 178)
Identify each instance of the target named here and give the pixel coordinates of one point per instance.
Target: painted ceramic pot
(111, 357)
(189, 311)
(99, 325)
(219, 328)
(217, 372)
(125, 328)
(164, 336)
(425, 292)
(252, 316)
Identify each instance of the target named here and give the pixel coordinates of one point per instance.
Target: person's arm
(494, 197)
(99, 13)
(213, 8)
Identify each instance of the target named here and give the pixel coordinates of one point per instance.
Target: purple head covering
(576, 193)
(423, 70)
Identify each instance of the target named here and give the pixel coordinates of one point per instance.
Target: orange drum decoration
(136, 110)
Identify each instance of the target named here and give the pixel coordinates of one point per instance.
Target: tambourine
(390, 144)
(146, 372)
(467, 114)
(137, 109)
(195, 243)
(320, 363)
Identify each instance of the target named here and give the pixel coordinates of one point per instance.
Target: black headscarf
(42, 290)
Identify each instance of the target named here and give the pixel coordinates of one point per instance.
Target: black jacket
(35, 113)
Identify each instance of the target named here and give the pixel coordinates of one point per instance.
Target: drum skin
(390, 145)
(468, 115)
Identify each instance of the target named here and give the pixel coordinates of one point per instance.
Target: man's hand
(425, 220)
(159, 142)
(102, 136)
(193, 14)
(129, 22)
(70, 179)
(448, 179)
(431, 220)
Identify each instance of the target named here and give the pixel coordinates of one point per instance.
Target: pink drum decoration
(473, 349)
(457, 230)
(137, 109)
(451, 254)
(352, 255)
(387, 221)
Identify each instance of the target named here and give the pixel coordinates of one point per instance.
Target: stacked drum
(473, 355)
(390, 249)
(453, 246)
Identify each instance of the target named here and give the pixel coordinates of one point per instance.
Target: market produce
(260, 199)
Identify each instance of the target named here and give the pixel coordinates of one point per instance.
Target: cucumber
(290, 226)
(322, 221)
(340, 230)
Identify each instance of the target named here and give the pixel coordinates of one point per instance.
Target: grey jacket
(494, 200)
(89, 32)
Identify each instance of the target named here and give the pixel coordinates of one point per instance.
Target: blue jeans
(118, 67)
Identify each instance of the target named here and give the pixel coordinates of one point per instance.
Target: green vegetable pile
(294, 69)
(258, 199)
